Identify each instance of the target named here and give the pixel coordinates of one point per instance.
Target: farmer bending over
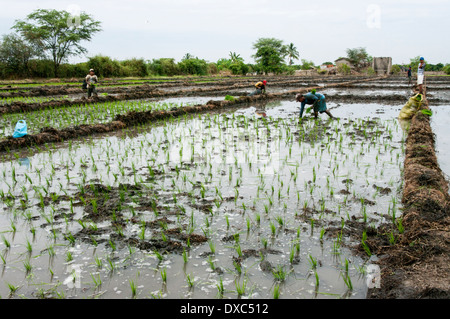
(91, 80)
(317, 100)
(260, 88)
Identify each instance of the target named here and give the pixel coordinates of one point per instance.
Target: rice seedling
(96, 280)
(27, 266)
(190, 281)
(220, 288)
(240, 288)
(276, 291)
(164, 275)
(279, 273)
(312, 262)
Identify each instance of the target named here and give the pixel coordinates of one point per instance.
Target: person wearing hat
(317, 101)
(260, 88)
(91, 80)
(421, 74)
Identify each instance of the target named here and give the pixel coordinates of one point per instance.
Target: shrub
(396, 69)
(135, 67)
(104, 66)
(370, 71)
(193, 67)
(164, 66)
(447, 69)
(344, 69)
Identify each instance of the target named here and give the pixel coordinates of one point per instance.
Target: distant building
(382, 65)
(346, 61)
(326, 66)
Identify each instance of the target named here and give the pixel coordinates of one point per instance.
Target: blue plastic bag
(21, 129)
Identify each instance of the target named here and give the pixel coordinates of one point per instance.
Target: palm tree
(187, 56)
(236, 57)
(292, 53)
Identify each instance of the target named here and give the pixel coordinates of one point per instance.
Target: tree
(16, 52)
(307, 65)
(270, 53)
(414, 62)
(235, 58)
(187, 56)
(57, 34)
(359, 57)
(292, 53)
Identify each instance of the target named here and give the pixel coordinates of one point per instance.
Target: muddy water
(275, 183)
(439, 125)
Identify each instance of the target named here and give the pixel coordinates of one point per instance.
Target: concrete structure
(382, 65)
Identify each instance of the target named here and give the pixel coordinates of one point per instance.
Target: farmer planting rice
(91, 81)
(317, 101)
(260, 88)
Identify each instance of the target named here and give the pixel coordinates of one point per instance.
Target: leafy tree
(16, 53)
(187, 56)
(359, 57)
(104, 66)
(235, 58)
(292, 53)
(164, 66)
(57, 34)
(270, 54)
(396, 69)
(193, 66)
(344, 69)
(307, 65)
(446, 69)
(414, 62)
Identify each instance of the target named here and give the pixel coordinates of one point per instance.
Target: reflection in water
(404, 124)
(24, 162)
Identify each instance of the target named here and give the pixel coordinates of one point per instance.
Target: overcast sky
(321, 30)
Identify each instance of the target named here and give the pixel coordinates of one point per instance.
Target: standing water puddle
(183, 208)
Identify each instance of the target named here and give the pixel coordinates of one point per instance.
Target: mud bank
(416, 266)
(52, 135)
(147, 92)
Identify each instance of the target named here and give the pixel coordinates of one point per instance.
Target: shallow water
(440, 127)
(224, 174)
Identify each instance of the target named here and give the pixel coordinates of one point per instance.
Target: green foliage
(292, 53)
(427, 112)
(270, 54)
(235, 65)
(134, 67)
(104, 66)
(56, 37)
(414, 63)
(307, 65)
(239, 68)
(229, 98)
(164, 66)
(358, 57)
(370, 71)
(396, 69)
(193, 66)
(446, 69)
(344, 69)
(15, 54)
